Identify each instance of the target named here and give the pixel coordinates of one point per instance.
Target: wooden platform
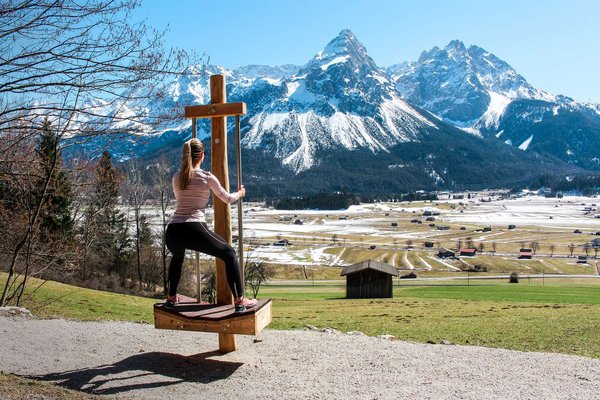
(189, 315)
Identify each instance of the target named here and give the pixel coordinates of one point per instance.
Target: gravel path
(135, 361)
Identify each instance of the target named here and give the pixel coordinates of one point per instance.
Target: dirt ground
(135, 361)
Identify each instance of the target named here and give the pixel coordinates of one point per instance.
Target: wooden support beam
(222, 210)
(215, 109)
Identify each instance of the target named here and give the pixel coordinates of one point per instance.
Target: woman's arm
(221, 193)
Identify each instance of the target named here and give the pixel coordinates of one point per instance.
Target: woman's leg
(174, 239)
(207, 242)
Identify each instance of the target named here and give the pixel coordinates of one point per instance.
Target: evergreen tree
(56, 219)
(149, 256)
(105, 227)
(106, 194)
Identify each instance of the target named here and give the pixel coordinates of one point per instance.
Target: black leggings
(196, 236)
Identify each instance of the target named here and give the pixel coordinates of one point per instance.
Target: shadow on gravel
(144, 371)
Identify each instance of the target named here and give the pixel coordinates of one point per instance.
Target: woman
(188, 230)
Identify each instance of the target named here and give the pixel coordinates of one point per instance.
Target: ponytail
(192, 151)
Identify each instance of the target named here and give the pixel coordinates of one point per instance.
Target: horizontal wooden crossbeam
(215, 110)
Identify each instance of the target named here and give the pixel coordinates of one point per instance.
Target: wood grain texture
(220, 319)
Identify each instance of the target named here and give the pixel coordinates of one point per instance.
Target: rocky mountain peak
(343, 44)
(456, 46)
(345, 48)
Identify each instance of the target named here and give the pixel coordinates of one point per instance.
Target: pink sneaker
(244, 303)
(171, 302)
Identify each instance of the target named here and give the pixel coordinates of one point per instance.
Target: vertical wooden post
(222, 211)
(238, 156)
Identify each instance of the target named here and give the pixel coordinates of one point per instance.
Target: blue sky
(554, 44)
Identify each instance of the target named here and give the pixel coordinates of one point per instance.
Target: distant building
(468, 252)
(526, 254)
(511, 226)
(445, 253)
(582, 260)
(369, 279)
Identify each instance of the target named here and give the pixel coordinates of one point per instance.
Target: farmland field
(559, 232)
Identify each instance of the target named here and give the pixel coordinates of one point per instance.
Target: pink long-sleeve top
(192, 201)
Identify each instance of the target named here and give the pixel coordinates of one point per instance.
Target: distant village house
(468, 252)
(445, 253)
(525, 254)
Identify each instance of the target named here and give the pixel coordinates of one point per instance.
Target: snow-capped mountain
(463, 86)
(340, 122)
(340, 98)
(475, 90)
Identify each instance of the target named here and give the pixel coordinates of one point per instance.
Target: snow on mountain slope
(340, 98)
(496, 107)
(467, 87)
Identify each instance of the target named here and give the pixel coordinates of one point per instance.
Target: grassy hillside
(560, 316)
(52, 299)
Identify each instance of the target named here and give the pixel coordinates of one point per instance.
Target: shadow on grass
(144, 371)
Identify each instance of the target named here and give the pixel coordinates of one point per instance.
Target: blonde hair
(192, 152)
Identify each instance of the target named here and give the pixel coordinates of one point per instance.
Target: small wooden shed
(525, 254)
(469, 252)
(369, 279)
(445, 253)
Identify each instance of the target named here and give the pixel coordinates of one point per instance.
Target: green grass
(520, 293)
(53, 299)
(559, 316)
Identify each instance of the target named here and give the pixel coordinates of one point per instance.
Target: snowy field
(315, 234)
(568, 212)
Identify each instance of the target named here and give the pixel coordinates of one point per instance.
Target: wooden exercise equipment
(189, 315)
(193, 314)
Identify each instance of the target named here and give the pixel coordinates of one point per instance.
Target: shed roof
(445, 251)
(369, 264)
(468, 250)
